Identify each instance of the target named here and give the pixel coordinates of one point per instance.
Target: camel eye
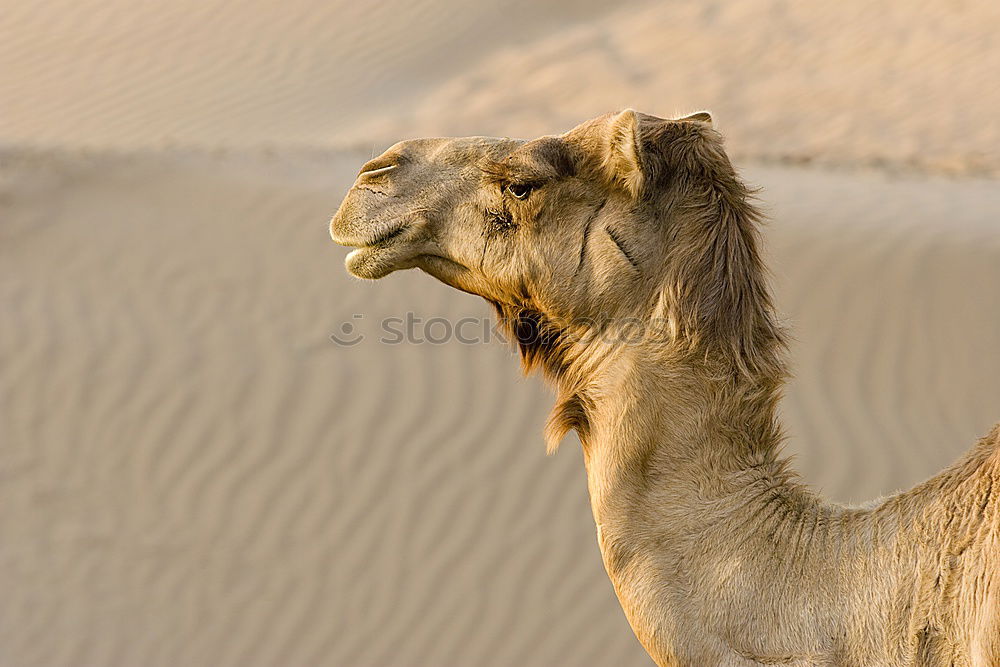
(519, 190)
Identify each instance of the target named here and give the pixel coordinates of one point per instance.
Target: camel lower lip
(366, 263)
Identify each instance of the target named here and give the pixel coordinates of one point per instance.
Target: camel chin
(368, 264)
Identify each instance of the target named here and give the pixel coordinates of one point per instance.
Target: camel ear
(698, 117)
(623, 156)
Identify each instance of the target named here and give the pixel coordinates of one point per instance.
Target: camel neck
(676, 433)
(679, 459)
(707, 536)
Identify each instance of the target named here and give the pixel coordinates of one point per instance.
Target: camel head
(625, 216)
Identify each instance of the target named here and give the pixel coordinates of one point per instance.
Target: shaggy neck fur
(717, 554)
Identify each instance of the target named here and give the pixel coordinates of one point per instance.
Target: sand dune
(853, 82)
(120, 73)
(193, 473)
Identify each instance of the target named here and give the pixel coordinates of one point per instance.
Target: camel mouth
(386, 237)
(379, 255)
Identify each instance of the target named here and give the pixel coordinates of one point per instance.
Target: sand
(124, 74)
(851, 82)
(846, 83)
(193, 473)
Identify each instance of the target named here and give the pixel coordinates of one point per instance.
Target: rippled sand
(194, 474)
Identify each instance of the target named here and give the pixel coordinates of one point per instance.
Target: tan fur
(629, 274)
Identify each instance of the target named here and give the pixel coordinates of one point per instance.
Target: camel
(717, 553)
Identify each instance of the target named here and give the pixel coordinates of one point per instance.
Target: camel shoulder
(971, 487)
(966, 492)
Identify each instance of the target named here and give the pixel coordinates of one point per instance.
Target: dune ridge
(124, 74)
(852, 83)
(902, 86)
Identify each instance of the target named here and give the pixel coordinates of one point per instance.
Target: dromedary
(717, 554)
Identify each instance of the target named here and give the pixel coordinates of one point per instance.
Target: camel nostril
(378, 171)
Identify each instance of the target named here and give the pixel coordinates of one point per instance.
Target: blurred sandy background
(193, 473)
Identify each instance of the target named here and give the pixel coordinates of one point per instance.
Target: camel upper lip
(380, 238)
